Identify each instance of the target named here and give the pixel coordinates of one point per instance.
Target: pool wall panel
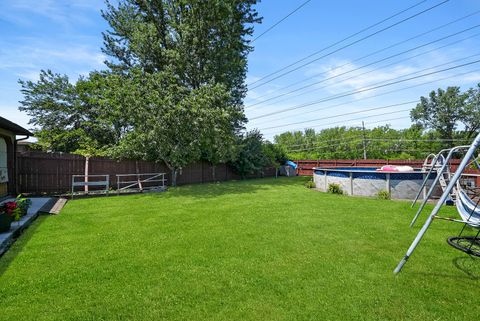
(368, 182)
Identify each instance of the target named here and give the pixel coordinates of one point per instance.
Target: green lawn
(252, 250)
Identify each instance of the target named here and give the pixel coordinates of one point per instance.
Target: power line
(350, 140)
(378, 51)
(372, 87)
(383, 94)
(383, 107)
(341, 115)
(361, 118)
(363, 66)
(323, 126)
(280, 21)
(373, 70)
(338, 42)
(346, 46)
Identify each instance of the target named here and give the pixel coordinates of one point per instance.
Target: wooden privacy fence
(51, 173)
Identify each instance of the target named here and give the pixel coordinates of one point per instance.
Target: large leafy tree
(167, 122)
(471, 112)
(200, 41)
(173, 91)
(441, 111)
(202, 46)
(67, 118)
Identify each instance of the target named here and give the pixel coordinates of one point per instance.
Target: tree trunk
(138, 176)
(213, 172)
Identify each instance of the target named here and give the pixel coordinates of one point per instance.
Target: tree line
(443, 119)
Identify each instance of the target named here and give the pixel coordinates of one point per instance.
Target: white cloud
(26, 61)
(62, 12)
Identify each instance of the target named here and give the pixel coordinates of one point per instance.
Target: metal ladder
(445, 178)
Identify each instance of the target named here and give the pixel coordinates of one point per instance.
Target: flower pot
(5, 222)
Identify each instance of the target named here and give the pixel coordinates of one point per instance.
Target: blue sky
(65, 36)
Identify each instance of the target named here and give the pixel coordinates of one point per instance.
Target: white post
(351, 183)
(86, 174)
(387, 178)
(326, 184)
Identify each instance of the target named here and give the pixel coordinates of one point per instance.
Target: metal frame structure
(138, 183)
(446, 193)
(432, 165)
(440, 172)
(86, 182)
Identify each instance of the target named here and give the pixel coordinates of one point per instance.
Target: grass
(252, 250)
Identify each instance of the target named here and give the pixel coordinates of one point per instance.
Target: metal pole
(435, 160)
(364, 142)
(435, 182)
(442, 200)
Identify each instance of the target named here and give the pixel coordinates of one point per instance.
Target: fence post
(86, 173)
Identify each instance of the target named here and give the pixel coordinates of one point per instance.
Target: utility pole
(364, 142)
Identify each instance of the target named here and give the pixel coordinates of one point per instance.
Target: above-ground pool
(367, 181)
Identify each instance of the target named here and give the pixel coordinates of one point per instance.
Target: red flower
(8, 207)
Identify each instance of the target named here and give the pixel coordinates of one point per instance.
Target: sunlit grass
(251, 250)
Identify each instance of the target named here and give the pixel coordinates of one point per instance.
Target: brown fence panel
(47, 172)
(51, 173)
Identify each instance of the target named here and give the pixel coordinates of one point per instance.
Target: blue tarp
(292, 164)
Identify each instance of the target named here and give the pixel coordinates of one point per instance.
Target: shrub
(310, 184)
(23, 204)
(384, 195)
(335, 189)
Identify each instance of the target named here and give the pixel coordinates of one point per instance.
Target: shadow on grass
(19, 243)
(468, 265)
(248, 186)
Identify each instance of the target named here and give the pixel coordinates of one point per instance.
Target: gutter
(16, 163)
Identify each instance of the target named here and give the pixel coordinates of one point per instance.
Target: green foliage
(471, 112)
(335, 189)
(383, 142)
(23, 204)
(250, 158)
(441, 111)
(274, 153)
(171, 123)
(384, 195)
(199, 41)
(310, 184)
(67, 118)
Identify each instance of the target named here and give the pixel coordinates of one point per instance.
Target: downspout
(15, 162)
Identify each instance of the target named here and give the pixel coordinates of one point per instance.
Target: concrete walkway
(7, 238)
